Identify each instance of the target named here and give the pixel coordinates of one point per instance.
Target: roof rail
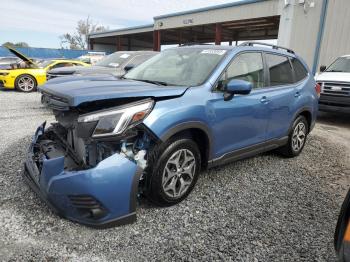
(193, 43)
(264, 44)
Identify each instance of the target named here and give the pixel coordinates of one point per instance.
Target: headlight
(115, 121)
(3, 73)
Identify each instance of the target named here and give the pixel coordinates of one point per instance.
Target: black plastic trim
(248, 151)
(188, 125)
(135, 189)
(299, 112)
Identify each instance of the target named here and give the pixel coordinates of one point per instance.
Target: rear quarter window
(300, 71)
(280, 70)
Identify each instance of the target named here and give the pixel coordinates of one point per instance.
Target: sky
(40, 22)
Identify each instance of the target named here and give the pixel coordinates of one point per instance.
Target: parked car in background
(153, 130)
(335, 86)
(342, 232)
(26, 75)
(116, 64)
(7, 61)
(92, 57)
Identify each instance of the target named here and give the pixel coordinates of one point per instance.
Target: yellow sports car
(28, 74)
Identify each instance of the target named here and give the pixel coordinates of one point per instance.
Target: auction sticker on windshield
(213, 52)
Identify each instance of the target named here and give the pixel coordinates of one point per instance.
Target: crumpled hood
(76, 90)
(333, 77)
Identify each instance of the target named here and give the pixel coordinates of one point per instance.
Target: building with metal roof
(316, 29)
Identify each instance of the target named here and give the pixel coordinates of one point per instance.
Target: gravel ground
(264, 208)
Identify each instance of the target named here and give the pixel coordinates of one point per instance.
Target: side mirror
(237, 87)
(323, 68)
(128, 67)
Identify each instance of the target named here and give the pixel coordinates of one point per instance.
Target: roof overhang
(124, 31)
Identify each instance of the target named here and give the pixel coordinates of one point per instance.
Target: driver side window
(246, 66)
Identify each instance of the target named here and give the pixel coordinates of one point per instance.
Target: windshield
(44, 63)
(342, 64)
(113, 60)
(179, 66)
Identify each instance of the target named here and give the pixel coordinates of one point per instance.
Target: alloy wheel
(178, 173)
(298, 138)
(26, 84)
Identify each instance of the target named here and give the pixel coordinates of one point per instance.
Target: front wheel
(174, 171)
(297, 138)
(25, 83)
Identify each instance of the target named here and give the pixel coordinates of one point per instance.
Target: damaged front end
(89, 164)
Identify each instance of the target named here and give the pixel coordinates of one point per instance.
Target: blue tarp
(34, 52)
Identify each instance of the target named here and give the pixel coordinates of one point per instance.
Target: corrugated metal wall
(336, 36)
(247, 11)
(299, 29)
(45, 52)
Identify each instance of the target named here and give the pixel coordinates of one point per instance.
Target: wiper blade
(160, 83)
(336, 71)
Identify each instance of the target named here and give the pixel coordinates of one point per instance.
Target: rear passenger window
(280, 70)
(299, 70)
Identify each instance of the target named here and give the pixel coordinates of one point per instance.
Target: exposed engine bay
(86, 142)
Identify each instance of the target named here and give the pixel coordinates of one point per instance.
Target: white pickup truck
(335, 86)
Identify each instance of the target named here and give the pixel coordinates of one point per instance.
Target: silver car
(116, 64)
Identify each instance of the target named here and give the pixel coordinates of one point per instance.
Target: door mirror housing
(323, 68)
(128, 67)
(237, 87)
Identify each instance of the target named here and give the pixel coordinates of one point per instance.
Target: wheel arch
(306, 112)
(27, 74)
(199, 132)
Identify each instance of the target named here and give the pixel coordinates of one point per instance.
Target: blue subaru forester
(152, 131)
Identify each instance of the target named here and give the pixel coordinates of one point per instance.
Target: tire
(167, 186)
(25, 83)
(296, 138)
(342, 223)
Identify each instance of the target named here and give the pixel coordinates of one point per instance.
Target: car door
(280, 95)
(242, 121)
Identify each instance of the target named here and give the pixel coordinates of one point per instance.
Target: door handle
(297, 94)
(264, 100)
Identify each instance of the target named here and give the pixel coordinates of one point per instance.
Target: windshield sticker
(113, 64)
(213, 52)
(124, 56)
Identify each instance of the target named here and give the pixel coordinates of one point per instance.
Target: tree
(18, 44)
(79, 39)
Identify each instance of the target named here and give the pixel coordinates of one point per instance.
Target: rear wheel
(25, 83)
(174, 171)
(297, 138)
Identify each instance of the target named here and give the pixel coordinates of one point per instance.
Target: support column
(90, 44)
(156, 40)
(129, 44)
(230, 42)
(180, 38)
(119, 43)
(218, 34)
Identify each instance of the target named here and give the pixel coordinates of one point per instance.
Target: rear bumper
(101, 197)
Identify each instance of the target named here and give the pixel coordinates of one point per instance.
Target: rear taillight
(318, 89)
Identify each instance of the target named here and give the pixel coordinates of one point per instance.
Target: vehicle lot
(265, 208)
